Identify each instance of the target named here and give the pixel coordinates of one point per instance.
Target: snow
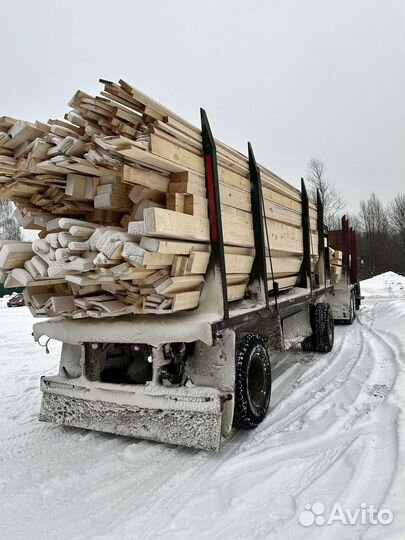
(385, 285)
(335, 434)
(4, 299)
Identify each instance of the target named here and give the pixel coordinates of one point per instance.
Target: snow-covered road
(335, 434)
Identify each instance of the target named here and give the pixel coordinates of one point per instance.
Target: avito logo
(314, 514)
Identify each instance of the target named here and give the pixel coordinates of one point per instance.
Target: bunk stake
(354, 266)
(323, 257)
(259, 269)
(346, 247)
(306, 238)
(214, 209)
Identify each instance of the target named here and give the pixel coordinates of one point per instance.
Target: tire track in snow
(375, 487)
(382, 379)
(98, 496)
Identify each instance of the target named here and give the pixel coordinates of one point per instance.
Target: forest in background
(380, 228)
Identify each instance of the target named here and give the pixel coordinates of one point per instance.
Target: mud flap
(191, 417)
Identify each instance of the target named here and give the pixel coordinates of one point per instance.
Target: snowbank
(384, 285)
(4, 300)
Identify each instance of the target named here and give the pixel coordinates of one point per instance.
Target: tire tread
(244, 416)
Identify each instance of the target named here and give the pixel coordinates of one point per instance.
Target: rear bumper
(183, 416)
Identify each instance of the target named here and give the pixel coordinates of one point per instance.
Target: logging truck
(189, 377)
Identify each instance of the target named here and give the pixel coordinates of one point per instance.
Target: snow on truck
(170, 266)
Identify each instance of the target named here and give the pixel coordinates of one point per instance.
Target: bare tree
(355, 221)
(9, 228)
(333, 202)
(376, 240)
(373, 216)
(396, 217)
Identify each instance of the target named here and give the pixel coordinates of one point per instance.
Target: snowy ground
(335, 434)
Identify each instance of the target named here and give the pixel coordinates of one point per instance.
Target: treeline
(380, 229)
(381, 235)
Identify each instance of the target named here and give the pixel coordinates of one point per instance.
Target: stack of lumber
(117, 191)
(335, 262)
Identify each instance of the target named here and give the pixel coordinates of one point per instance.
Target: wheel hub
(256, 379)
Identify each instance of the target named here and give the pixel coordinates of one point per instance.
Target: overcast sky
(298, 78)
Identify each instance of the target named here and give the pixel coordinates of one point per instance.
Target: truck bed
(155, 330)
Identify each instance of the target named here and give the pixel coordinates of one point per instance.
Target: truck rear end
(344, 272)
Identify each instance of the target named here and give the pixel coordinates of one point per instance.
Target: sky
(298, 79)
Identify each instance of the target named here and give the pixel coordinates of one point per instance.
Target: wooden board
(237, 279)
(238, 264)
(15, 254)
(175, 202)
(172, 246)
(197, 262)
(185, 300)
(236, 292)
(165, 223)
(148, 179)
(283, 283)
(173, 285)
(195, 205)
(187, 187)
(283, 265)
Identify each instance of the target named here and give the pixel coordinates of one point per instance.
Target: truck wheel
(354, 302)
(357, 296)
(352, 310)
(253, 382)
(324, 328)
(307, 344)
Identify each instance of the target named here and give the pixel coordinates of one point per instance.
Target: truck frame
(188, 378)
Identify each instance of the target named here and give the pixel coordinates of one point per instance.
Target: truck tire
(357, 296)
(354, 304)
(307, 344)
(357, 302)
(352, 309)
(252, 383)
(324, 328)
